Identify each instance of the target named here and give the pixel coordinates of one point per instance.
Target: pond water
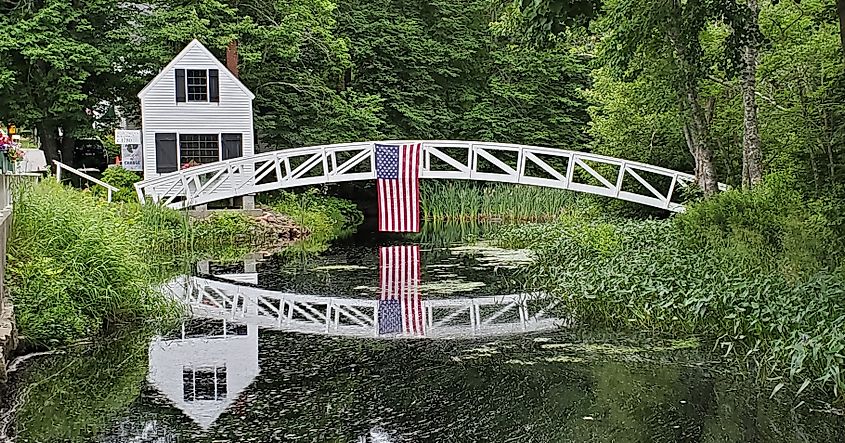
(434, 337)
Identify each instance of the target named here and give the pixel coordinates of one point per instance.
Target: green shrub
(121, 178)
(75, 265)
(771, 225)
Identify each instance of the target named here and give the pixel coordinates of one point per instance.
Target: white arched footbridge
(531, 165)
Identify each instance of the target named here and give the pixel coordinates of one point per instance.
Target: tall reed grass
(75, 265)
(466, 201)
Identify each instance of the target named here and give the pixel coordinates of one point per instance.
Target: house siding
(161, 113)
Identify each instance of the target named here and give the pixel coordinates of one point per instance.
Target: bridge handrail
(60, 166)
(239, 302)
(210, 167)
(244, 289)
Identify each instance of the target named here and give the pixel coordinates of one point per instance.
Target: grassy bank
(77, 264)
(325, 217)
(465, 201)
(760, 273)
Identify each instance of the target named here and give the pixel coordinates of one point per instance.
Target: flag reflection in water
(400, 308)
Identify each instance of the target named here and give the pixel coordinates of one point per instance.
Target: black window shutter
(167, 159)
(180, 86)
(213, 86)
(233, 146)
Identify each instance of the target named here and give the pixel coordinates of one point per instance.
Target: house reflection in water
(204, 369)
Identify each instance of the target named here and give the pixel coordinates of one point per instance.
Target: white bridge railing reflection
(314, 314)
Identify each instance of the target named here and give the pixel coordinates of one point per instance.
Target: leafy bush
(75, 265)
(772, 225)
(121, 178)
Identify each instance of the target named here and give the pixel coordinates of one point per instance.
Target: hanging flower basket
(10, 153)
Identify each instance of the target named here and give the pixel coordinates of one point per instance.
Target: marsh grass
(78, 264)
(457, 201)
(75, 266)
(743, 270)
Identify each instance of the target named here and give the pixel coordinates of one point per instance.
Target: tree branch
(765, 98)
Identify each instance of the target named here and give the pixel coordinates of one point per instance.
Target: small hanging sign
(127, 136)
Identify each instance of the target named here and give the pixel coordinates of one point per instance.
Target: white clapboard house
(195, 111)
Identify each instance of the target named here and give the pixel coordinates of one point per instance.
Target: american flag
(398, 180)
(400, 306)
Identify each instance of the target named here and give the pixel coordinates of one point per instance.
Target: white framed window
(197, 85)
(199, 148)
(204, 383)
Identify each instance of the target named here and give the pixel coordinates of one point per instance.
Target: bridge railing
(447, 159)
(9, 184)
(63, 167)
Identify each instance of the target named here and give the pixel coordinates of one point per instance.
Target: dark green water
(216, 380)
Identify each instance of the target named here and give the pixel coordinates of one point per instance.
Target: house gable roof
(195, 44)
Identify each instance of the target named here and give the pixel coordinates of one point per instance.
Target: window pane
(204, 384)
(197, 85)
(199, 148)
(222, 385)
(187, 383)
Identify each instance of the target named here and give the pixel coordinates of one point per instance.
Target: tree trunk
(697, 126)
(48, 136)
(705, 176)
(67, 146)
(752, 155)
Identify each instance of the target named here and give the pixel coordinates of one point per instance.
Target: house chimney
(232, 57)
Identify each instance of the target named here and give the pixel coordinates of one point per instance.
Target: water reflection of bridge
(316, 314)
(205, 367)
